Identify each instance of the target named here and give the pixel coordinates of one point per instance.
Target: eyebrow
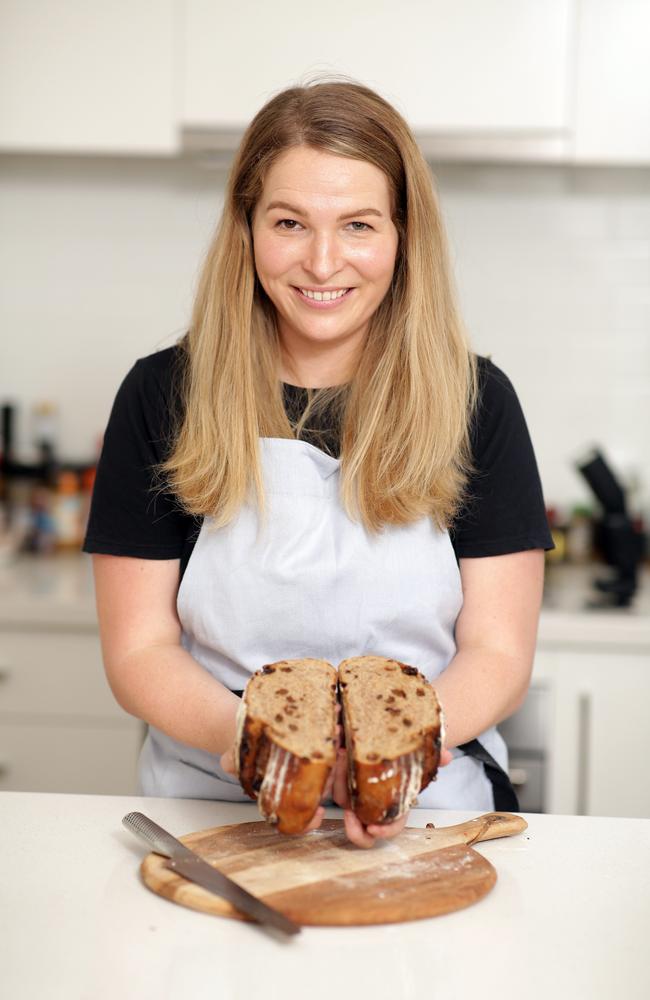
(298, 211)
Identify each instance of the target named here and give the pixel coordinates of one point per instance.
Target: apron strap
(505, 797)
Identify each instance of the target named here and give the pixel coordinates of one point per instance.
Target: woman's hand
(337, 787)
(227, 762)
(357, 833)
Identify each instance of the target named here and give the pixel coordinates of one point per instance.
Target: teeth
(323, 296)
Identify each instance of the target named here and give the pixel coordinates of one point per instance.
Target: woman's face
(325, 248)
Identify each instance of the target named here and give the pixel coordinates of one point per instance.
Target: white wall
(98, 260)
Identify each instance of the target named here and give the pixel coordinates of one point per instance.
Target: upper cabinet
(612, 103)
(537, 80)
(89, 77)
(455, 68)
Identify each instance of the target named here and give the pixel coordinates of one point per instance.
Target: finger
(316, 820)
(446, 757)
(355, 831)
(327, 787)
(387, 830)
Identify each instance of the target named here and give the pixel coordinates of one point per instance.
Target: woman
(321, 467)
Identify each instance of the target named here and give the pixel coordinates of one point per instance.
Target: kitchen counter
(568, 917)
(56, 592)
(52, 592)
(567, 618)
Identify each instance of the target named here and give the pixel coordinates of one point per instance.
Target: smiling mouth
(322, 300)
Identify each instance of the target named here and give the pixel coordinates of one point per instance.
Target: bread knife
(191, 866)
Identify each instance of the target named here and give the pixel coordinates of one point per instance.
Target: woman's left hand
(227, 761)
(357, 833)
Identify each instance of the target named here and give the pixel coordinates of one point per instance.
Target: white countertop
(53, 592)
(566, 620)
(568, 917)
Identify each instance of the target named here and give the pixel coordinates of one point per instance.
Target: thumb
(228, 761)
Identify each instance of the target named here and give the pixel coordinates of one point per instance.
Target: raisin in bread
(285, 747)
(392, 723)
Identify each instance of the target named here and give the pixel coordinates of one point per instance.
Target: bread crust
(288, 788)
(383, 791)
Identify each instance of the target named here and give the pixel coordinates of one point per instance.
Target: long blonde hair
(405, 416)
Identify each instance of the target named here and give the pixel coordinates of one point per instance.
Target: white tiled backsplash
(100, 256)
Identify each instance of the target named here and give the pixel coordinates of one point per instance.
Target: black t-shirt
(133, 515)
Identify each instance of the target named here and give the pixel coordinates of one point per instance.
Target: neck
(317, 366)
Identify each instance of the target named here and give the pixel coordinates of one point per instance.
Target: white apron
(306, 581)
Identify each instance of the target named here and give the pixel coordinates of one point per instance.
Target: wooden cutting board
(320, 878)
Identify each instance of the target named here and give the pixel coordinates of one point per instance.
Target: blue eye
(364, 224)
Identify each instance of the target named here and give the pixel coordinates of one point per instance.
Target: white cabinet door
(612, 112)
(50, 673)
(613, 708)
(79, 76)
(93, 759)
(61, 729)
(446, 64)
(598, 740)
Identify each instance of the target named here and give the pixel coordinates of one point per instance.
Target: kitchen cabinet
(612, 100)
(88, 77)
(602, 738)
(561, 80)
(61, 729)
(499, 66)
(597, 743)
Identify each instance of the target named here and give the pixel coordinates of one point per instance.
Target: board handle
(490, 826)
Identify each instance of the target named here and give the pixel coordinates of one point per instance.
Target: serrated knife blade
(193, 867)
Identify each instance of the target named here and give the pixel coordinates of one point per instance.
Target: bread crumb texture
(296, 702)
(389, 707)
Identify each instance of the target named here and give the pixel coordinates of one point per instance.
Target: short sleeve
(504, 511)
(131, 513)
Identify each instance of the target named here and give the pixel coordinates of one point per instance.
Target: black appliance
(621, 543)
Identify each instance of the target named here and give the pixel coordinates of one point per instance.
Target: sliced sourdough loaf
(392, 723)
(286, 739)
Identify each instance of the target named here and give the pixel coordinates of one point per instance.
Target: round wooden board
(320, 878)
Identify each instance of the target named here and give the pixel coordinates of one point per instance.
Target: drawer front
(81, 759)
(47, 673)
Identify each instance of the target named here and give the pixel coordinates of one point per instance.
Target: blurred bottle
(66, 511)
(7, 414)
(580, 536)
(45, 432)
(40, 536)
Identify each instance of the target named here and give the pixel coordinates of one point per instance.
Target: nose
(324, 256)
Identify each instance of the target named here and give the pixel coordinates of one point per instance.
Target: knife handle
(153, 835)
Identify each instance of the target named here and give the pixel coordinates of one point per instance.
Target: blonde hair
(405, 416)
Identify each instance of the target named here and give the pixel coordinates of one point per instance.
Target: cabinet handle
(584, 738)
